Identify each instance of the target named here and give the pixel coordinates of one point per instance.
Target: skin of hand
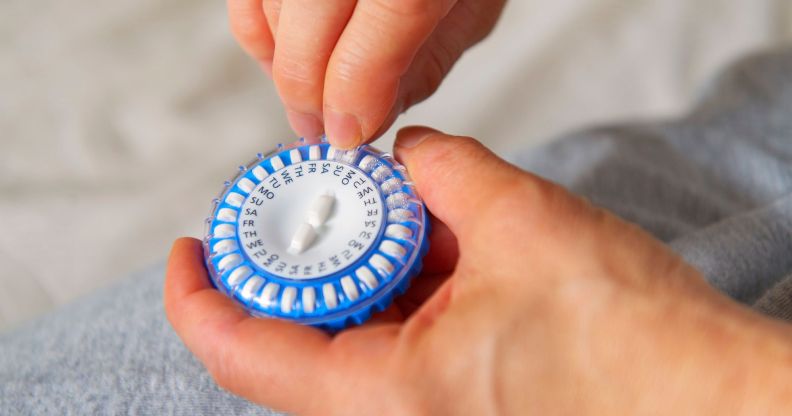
(350, 67)
(532, 301)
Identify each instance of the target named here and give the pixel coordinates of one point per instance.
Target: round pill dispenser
(317, 235)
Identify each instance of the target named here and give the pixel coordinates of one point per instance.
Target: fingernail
(304, 124)
(410, 137)
(266, 66)
(343, 130)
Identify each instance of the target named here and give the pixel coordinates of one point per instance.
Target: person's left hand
(551, 306)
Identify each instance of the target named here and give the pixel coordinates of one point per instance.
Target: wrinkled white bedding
(120, 120)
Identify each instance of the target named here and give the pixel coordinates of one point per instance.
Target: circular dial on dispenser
(317, 235)
(311, 219)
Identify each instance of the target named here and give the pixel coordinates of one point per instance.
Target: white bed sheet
(120, 120)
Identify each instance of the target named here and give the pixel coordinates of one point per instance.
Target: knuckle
(288, 70)
(295, 79)
(536, 201)
(544, 195)
(445, 156)
(346, 66)
(353, 63)
(452, 149)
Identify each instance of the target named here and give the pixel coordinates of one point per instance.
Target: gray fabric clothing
(111, 354)
(716, 186)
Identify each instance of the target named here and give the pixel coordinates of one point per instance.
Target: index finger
(269, 361)
(373, 52)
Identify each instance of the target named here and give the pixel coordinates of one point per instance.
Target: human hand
(532, 301)
(351, 67)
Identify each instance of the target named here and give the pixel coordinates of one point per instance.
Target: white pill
(391, 185)
(397, 200)
(367, 163)
(320, 208)
(367, 277)
(229, 262)
(246, 185)
(225, 246)
(260, 173)
(381, 173)
(287, 299)
(329, 294)
(308, 299)
(350, 290)
(302, 239)
(382, 265)
(238, 276)
(267, 296)
(251, 287)
(393, 249)
(314, 152)
(295, 156)
(398, 231)
(332, 153)
(277, 163)
(399, 215)
(224, 231)
(227, 214)
(348, 156)
(234, 199)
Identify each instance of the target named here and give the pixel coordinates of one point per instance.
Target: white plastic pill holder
(317, 235)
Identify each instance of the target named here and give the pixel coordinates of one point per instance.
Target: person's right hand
(551, 306)
(351, 67)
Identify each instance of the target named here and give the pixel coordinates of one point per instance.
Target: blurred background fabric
(120, 120)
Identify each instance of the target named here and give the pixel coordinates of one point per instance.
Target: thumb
(458, 177)
(490, 204)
